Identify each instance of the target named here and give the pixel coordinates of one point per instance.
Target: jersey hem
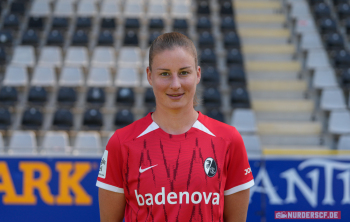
(239, 188)
(109, 187)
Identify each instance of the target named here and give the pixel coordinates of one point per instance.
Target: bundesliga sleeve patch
(103, 165)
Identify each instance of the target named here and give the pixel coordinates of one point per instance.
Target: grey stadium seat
(344, 142)
(22, 142)
(51, 56)
(332, 99)
(23, 56)
(339, 122)
(55, 143)
(99, 77)
(44, 76)
(40, 8)
(15, 76)
(244, 120)
(71, 77)
(324, 78)
(103, 57)
(252, 142)
(127, 77)
(87, 143)
(76, 56)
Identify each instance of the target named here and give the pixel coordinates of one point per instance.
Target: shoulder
(218, 128)
(133, 130)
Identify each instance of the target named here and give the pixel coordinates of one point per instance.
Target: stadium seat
(203, 8)
(130, 57)
(8, 95)
(40, 8)
(66, 96)
(105, 38)
(203, 23)
(317, 58)
(231, 40)
(244, 120)
(64, 8)
(304, 25)
(36, 23)
(44, 76)
(211, 98)
(6, 38)
(80, 38)
(180, 24)
(344, 142)
(251, 142)
(210, 76)
(30, 37)
(32, 118)
(11, 21)
(234, 57)
(208, 56)
(108, 23)
(110, 9)
(3, 56)
(180, 10)
(156, 10)
(86, 8)
(18, 7)
(345, 79)
(55, 143)
(103, 57)
(77, 56)
(227, 24)
(206, 40)
(236, 76)
(332, 99)
(341, 59)
(50, 56)
(327, 25)
(60, 23)
(15, 76)
(323, 78)
(240, 98)
(99, 77)
(5, 119)
(226, 8)
(150, 99)
(37, 95)
(132, 23)
(23, 56)
(339, 122)
(87, 143)
(153, 35)
(55, 37)
(63, 119)
(321, 10)
(133, 9)
(216, 114)
(310, 41)
(71, 77)
(96, 96)
(131, 38)
(93, 119)
(334, 41)
(125, 96)
(156, 23)
(22, 142)
(2, 146)
(127, 77)
(123, 118)
(84, 23)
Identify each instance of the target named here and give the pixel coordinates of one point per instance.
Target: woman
(175, 164)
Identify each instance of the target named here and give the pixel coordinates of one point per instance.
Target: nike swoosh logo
(143, 170)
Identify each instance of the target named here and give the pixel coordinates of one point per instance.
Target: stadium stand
(281, 76)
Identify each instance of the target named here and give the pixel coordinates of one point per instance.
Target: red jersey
(175, 177)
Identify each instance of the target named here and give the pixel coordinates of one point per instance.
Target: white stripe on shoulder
(150, 128)
(239, 188)
(200, 126)
(109, 187)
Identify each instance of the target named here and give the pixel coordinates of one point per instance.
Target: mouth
(175, 96)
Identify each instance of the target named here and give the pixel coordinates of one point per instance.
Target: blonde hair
(168, 41)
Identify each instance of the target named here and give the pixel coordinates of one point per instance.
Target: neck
(175, 121)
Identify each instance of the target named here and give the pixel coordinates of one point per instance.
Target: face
(174, 78)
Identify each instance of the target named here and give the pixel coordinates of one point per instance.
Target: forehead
(174, 56)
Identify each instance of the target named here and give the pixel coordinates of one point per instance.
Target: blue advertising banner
(63, 189)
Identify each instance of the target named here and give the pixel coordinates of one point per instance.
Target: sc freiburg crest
(210, 167)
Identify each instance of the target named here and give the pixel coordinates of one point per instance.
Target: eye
(164, 74)
(183, 72)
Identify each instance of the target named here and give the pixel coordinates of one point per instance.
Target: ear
(199, 74)
(149, 75)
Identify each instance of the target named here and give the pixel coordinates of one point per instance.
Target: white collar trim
(197, 125)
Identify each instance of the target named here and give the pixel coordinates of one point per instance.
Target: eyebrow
(180, 68)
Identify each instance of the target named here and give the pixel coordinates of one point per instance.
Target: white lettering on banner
(294, 180)
(171, 198)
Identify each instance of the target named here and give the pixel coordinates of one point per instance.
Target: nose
(175, 82)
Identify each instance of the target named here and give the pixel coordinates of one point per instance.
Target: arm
(112, 205)
(236, 206)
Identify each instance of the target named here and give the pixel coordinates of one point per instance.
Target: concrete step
(261, 19)
(283, 116)
(277, 66)
(268, 49)
(289, 128)
(276, 85)
(288, 106)
(273, 75)
(263, 33)
(290, 140)
(277, 95)
(257, 5)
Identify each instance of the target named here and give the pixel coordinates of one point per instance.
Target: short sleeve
(110, 175)
(239, 175)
